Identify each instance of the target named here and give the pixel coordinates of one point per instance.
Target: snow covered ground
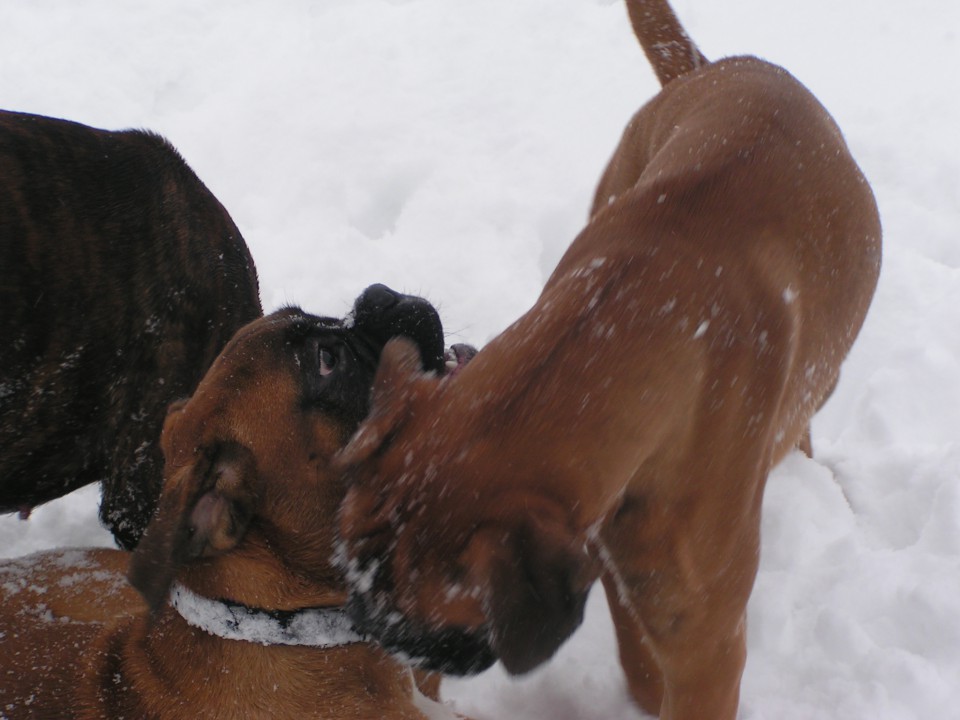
(450, 148)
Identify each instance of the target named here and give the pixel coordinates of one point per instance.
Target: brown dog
(121, 278)
(244, 534)
(625, 426)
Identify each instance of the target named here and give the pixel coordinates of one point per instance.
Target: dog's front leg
(677, 587)
(643, 674)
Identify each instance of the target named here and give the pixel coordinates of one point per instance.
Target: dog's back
(121, 278)
(751, 171)
(56, 605)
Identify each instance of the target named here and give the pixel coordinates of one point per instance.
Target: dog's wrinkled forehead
(378, 315)
(336, 359)
(311, 364)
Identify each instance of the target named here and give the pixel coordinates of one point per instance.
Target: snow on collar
(313, 627)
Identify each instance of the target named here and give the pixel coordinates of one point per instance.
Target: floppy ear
(204, 510)
(172, 419)
(397, 375)
(537, 578)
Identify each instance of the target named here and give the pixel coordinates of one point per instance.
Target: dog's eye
(328, 361)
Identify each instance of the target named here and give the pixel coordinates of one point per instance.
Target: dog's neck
(310, 627)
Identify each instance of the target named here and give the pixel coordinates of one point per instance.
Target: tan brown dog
(244, 534)
(625, 426)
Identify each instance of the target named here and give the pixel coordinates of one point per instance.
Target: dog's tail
(663, 39)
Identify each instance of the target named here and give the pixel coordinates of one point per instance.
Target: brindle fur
(121, 278)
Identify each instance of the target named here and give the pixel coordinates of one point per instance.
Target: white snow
(451, 149)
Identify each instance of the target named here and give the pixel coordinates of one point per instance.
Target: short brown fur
(245, 514)
(624, 427)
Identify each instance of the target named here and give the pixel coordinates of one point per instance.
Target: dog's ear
(204, 510)
(176, 407)
(394, 384)
(170, 424)
(537, 578)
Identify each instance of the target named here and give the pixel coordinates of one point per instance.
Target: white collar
(313, 627)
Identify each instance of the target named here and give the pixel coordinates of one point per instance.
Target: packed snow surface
(450, 149)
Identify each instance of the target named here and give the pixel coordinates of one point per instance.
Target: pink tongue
(456, 357)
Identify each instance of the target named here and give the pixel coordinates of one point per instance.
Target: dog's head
(448, 560)
(249, 499)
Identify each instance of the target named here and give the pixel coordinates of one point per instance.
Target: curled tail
(666, 44)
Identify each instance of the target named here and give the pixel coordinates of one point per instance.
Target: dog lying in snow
(239, 611)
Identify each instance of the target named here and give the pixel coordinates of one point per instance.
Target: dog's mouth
(371, 609)
(451, 651)
(456, 358)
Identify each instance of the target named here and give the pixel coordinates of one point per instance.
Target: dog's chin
(451, 651)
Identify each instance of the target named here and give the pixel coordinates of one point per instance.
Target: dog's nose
(382, 313)
(377, 298)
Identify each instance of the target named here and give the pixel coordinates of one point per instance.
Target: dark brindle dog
(121, 278)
